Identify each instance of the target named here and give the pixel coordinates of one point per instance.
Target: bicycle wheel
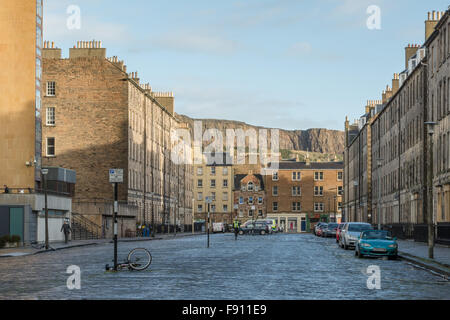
(139, 259)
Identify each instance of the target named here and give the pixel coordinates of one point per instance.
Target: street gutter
(431, 265)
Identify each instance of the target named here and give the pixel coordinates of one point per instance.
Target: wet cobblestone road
(278, 266)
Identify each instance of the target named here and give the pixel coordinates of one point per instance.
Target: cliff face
(313, 140)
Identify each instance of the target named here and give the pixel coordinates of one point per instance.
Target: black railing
(84, 229)
(32, 191)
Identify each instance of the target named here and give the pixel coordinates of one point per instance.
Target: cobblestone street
(276, 267)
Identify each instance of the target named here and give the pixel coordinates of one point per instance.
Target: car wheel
(241, 232)
(262, 232)
(345, 246)
(358, 254)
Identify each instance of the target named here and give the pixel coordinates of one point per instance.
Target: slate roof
(293, 165)
(239, 177)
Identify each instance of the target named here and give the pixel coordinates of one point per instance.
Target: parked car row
(361, 237)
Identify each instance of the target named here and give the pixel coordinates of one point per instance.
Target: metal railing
(32, 191)
(85, 229)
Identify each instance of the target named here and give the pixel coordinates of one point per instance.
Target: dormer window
(250, 186)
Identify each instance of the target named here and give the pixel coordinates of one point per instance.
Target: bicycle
(138, 259)
(40, 246)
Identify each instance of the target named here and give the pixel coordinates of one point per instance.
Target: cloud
(247, 106)
(195, 42)
(305, 49)
(55, 28)
(300, 49)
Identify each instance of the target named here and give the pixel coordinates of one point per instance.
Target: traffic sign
(116, 175)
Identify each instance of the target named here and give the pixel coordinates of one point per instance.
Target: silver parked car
(348, 237)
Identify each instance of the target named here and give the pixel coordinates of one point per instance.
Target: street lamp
(44, 176)
(379, 164)
(355, 184)
(430, 127)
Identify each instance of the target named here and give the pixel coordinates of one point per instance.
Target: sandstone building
(300, 194)
(438, 81)
(21, 184)
(97, 117)
(388, 152)
(214, 180)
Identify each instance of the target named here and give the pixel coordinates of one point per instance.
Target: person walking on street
(66, 229)
(236, 228)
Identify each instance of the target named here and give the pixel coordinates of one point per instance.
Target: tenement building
(389, 150)
(300, 194)
(21, 178)
(249, 197)
(438, 45)
(97, 117)
(213, 188)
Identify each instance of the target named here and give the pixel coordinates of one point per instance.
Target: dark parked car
(255, 228)
(330, 230)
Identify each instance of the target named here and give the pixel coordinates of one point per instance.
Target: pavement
(417, 253)
(25, 251)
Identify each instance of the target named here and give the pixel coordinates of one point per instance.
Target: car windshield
(323, 225)
(359, 227)
(332, 225)
(375, 234)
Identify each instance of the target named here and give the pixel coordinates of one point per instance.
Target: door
(303, 224)
(4, 221)
(16, 222)
(292, 225)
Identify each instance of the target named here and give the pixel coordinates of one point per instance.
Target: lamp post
(44, 176)
(430, 127)
(355, 184)
(379, 164)
(334, 208)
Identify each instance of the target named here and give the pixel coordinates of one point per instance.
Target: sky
(290, 64)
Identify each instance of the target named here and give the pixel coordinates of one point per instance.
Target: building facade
(98, 117)
(21, 183)
(249, 197)
(438, 78)
(401, 161)
(300, 194)
(214, 179)
(20, 105)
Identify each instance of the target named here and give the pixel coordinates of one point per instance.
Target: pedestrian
(236, 225)
(6, 188)
(66, 229)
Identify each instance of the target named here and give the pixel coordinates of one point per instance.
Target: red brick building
(249, 197)
(300, 194)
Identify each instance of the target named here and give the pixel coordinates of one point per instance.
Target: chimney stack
(410, 51)
(395, 83)
(87, 49)
(431, 23)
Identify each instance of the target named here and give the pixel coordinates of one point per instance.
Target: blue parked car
(376, 243)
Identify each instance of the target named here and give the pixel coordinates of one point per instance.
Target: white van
(219, 227)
